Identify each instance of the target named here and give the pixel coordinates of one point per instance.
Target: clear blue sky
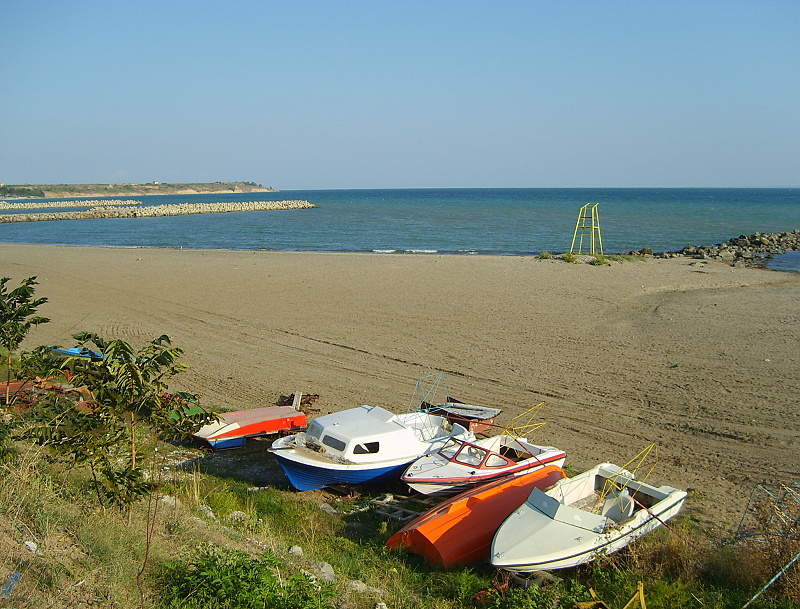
(393, 94)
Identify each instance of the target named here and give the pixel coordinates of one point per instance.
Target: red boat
(233, 428)
(459, 531)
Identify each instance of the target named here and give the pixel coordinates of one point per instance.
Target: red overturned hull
(459, 531)
(233, 428)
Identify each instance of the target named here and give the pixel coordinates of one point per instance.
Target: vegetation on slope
(56, 191)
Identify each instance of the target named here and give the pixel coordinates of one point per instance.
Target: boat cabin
(471, 455)
(359, 434)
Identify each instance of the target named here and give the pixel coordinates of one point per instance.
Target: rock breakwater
(153, 211)
(75, 203)
(742, 249)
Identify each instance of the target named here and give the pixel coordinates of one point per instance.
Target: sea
(447, 221)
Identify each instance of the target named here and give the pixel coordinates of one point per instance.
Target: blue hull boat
(361, 445)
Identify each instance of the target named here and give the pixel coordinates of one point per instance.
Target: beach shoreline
(698, 356)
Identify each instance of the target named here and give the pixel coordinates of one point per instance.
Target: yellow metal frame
(588, 225)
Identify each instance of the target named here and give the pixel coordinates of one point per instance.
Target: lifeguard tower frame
(588, 225)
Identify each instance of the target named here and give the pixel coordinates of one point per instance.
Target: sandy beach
(702, 358)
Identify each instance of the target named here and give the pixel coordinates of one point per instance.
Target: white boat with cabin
(367, 444)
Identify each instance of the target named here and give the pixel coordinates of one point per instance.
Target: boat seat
(618, 506)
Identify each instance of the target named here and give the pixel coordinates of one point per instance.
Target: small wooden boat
(367, 444)
(594, 513)
(460, 464)
(459, 531)
(234, 428)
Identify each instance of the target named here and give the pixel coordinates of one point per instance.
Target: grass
(88, 555)
(599, 260)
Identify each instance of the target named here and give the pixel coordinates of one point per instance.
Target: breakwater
(56, 204)
(744, 248)
(155, 211)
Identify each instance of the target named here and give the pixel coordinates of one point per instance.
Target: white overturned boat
(579, 519)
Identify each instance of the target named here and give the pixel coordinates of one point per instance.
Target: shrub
(215, 577)
(545, 255)
(571, 258)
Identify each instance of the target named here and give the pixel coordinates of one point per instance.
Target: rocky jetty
(57, 204)
(153, 211)
(744, 249)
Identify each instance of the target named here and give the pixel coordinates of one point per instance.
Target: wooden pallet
(404, 508)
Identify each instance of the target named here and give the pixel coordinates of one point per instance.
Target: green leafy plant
(571, 258)
(127, 411)
(129, 391)
(17, 315)
(599, 260)
(215, 577)
(545, 255)
(41, 362)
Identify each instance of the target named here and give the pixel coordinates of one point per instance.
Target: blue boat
(367, 444)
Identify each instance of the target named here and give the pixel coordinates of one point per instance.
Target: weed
(223, 502)
(599, 260)
(214, 577)
(545, 255)
(571, 258)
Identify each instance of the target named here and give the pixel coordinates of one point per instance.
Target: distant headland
(58, 191)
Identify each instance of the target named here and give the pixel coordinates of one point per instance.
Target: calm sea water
(446, 221)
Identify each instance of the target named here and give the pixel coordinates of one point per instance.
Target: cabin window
(471, 455)
(368, 448)
(334, 443)
(496, 461)
(314, 430)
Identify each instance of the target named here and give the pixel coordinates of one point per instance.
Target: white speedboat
(366, 444)
(579, 519)
(461, 463)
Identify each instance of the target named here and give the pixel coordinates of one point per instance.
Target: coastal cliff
(56, 191)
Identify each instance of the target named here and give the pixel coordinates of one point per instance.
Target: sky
(336, 94)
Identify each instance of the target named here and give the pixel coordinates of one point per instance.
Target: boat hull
(232, 429)
(459, 531)
(458, 484)
(310, 477)
(463, 465)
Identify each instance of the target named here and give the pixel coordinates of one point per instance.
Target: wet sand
(702, 358)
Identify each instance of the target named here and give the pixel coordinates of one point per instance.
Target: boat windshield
(471, 455)
(449, 450)
(496, 460)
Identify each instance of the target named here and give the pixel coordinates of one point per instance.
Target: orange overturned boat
(459, 531)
